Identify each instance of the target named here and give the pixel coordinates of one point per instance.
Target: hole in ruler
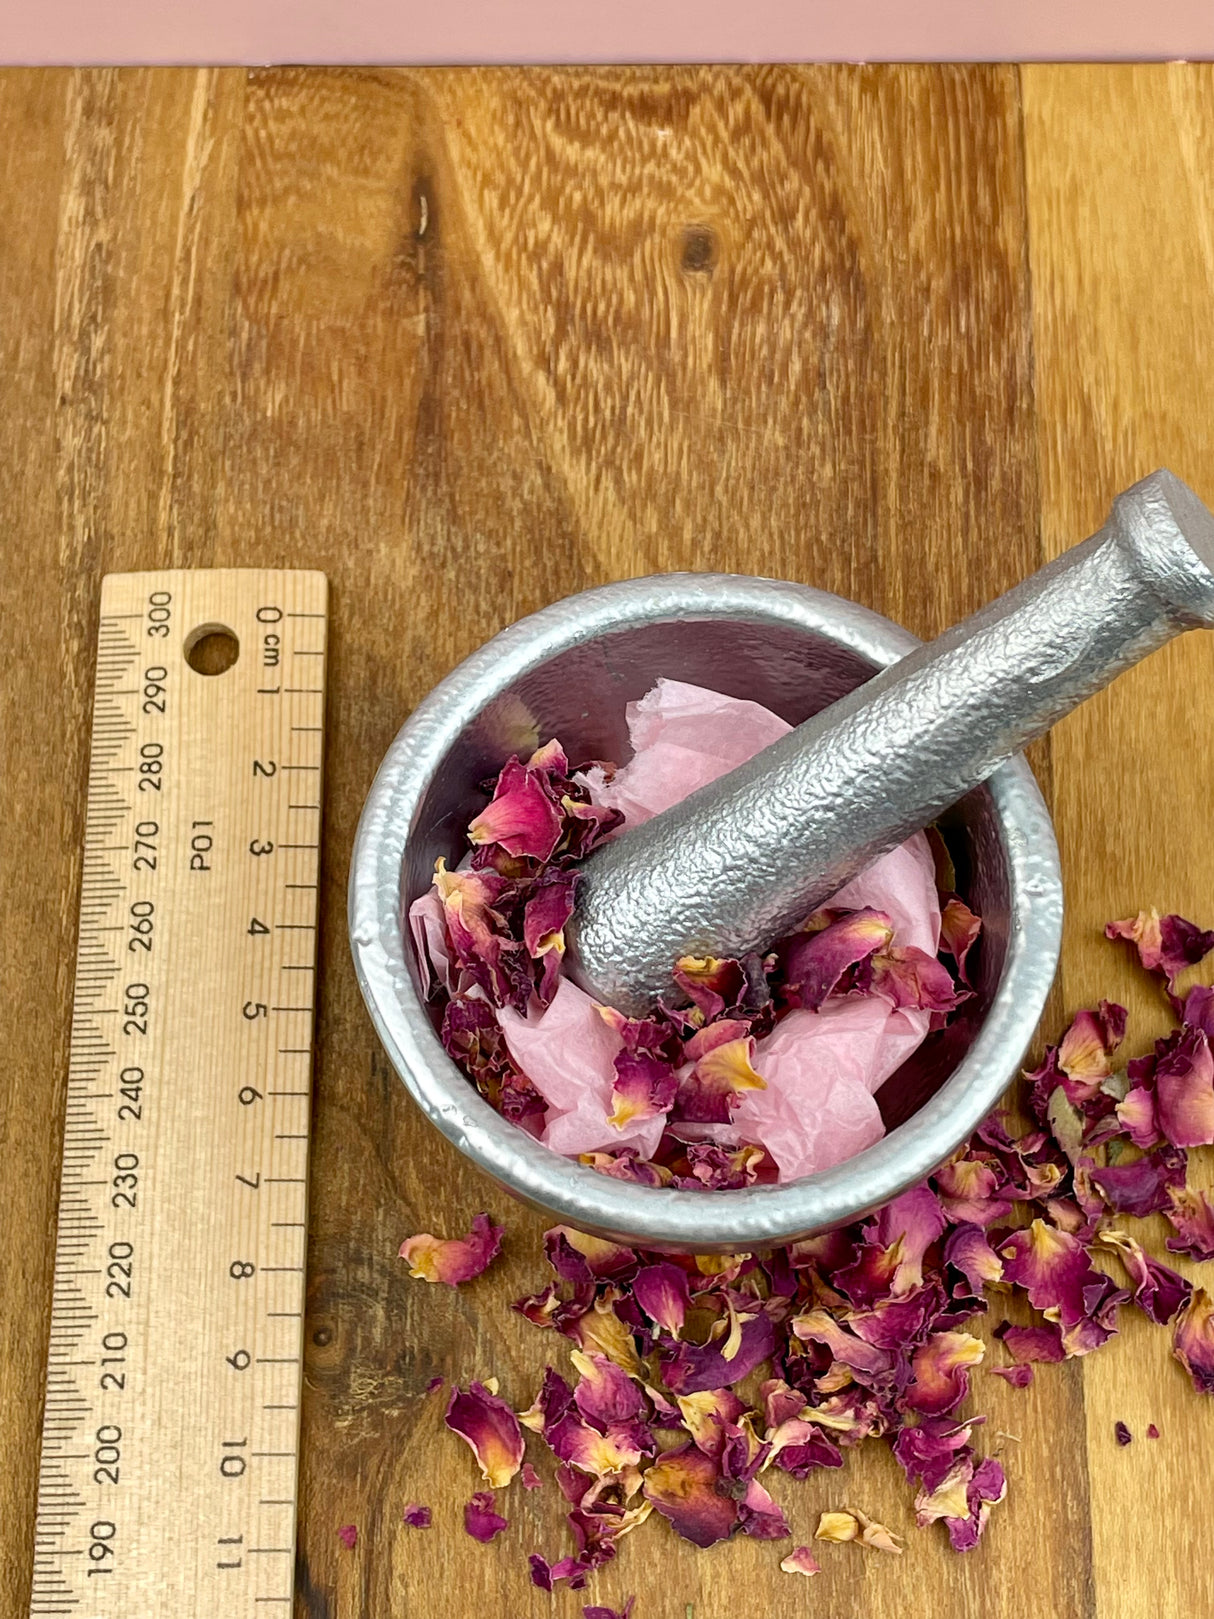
(211, 649)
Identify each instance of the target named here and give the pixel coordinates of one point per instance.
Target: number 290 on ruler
(170, 1438)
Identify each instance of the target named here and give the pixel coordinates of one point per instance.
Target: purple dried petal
(1054, 1268)
(417, 1516)
(1143, 1187)
(1121, 1433)
(644, 1086)
(1159, 1291)
(453, 1259)
(1191, 1214)
(1193, 1341)
(1166, 944)
(986, 1489)
(1184, 1092)
(759, 1516)
(798, 1447)
(682, 1486)
(817, 961)
(690, 1368)
(968, 1250)
(576, 1256)
(348, 1535)
(605, 1394)
(819, 1326)
(941, 1372)
(1018, 1376)
(490, 1427)
(609, 1613)
(1152, 1431)
(522, 817)
(913, 1221)
(531, 1479)
(599, 1454)
(480, 1520)
(1199, 1009)
(661, 1291)
(911, 979)
(927, 1448)
(968, 1188)
(541, 1571)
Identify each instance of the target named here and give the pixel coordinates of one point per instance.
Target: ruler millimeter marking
(170, 1437)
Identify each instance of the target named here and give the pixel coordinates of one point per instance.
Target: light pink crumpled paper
(822, 1067)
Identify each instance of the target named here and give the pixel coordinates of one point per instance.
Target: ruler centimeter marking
(170, 1439)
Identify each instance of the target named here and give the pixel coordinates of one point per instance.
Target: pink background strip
(263, 31)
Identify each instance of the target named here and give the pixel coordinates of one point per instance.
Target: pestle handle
(746, 859)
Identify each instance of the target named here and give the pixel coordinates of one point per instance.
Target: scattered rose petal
(480, 1520)
(521, 817)
(609, 1613)
(1158, 1290)
(348, 1535)
(837, 1526)
(1191, 1213)
(531, 1479)
(801, 1561)
(1121, 1433)
(1152, 1431)
(1184, 1092)
(662, 1292)
(453, 1259)
(1193, 1341)
(417, 1516)
(435, 1383)
(681, 1484)
(940, 1370)
(1018, 1376)
(488, 1425)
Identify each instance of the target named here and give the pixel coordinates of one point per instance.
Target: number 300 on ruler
(170, 1437)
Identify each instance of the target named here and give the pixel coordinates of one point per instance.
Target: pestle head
(744, 860)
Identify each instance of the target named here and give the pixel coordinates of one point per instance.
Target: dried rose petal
(1121, 1433)
(856, 1525)
(1143, 1187)
(837, 1526)
(759, 1516)
(689, 1368)
(531, 1479)
(1184, 1092)
(1198, 1010)
(911, 979)
(967, 1188)
(1193, 1341)
(712, 984)
(522, 818)
(605, 1394)
(798, 1447)
(927, 1449)
(1085, 1048)
(723, 1074)
(453, 1259)
(599, 1454)
(801, 1561)
(986, 1489)
(609, 1613)
(1192, 1215)
(681, 1484)
(1166, 944)
(819, 1326)
(959, 930)
(1018, 1376)
(1053, 1266)
(417, 1516)
(1137, 1117)
(480, 1520)
(348, 1535)
(709, 1415)
(576, 1256)
(541, 1571)
(1158, 1290)
(941, 1372)
(949, 1499)
(662, 1292)
(817, 961)
(1152, 1431)
(490, 1427)
(969, 1251)
(644, 1087)
(601, 1331)
(913, 1221)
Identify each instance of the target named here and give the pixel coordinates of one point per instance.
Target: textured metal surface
(569, 671)
(744, 860)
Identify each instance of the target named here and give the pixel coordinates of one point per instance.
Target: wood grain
(468, 341)
(1123, 272)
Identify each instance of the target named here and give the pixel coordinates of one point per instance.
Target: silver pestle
(743, 861)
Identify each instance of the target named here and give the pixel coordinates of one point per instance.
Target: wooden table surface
(469, 341)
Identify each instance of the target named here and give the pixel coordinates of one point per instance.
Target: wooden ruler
(170, 1437)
